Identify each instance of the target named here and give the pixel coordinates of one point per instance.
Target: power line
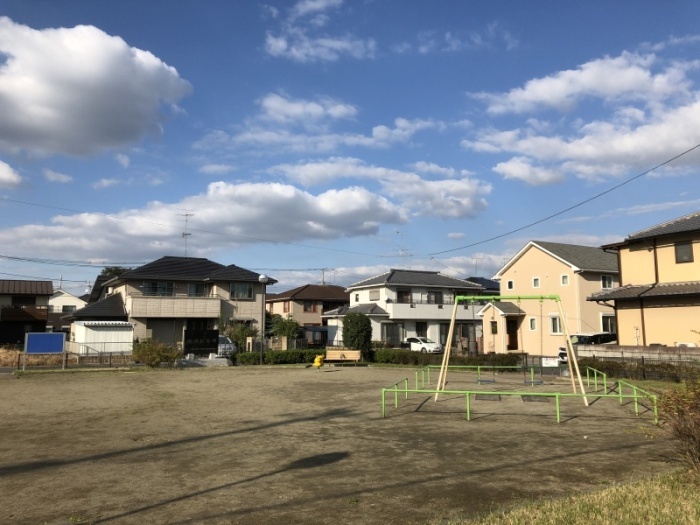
(578, 205)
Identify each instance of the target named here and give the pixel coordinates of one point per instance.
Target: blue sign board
(44, 342)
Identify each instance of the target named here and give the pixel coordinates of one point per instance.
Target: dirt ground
(294, 445)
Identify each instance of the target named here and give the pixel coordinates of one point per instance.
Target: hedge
(407, 357)
(277, 357)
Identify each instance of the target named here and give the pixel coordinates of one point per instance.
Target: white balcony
(428, 311)
(177, 306)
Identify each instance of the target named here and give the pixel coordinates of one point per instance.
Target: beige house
(658, 302)
(181, 300)
(307, 303)
(546, 268)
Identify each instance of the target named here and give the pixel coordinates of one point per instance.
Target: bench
(338, 356)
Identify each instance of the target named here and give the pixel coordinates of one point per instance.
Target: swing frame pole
(491, 298)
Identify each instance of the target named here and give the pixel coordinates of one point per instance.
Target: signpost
(40, 343)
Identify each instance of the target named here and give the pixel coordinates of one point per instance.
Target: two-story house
(176, 300)
(407, 303)
(24, 307)
(547, 268)
(61, 304)
(658, 301)
(306, 305)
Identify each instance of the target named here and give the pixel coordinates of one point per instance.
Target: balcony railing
(179, 305)
(24, 313)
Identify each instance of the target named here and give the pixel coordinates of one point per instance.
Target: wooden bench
(339, 356)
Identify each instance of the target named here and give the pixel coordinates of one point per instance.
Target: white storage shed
(96, 337)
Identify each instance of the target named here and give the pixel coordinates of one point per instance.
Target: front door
(512, 331)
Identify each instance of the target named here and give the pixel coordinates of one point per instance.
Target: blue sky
(350, 136)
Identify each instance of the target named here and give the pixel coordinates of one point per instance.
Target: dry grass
(659, 501)
(9, 358)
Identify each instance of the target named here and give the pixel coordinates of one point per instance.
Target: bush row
(407, 357)
(660, 371)
(272, 357)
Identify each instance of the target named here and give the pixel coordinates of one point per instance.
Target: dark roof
(190, 269)
(85, 297)
(486, 284)
(111, 307)
(313, 292)
(26, 287)
(647, 290)
(367, 309)
(687, 223)
(96, 291)
(415, 278)
(587, 258)
(507, 308)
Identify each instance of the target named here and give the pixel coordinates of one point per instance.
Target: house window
(309, 307)
(159, 288)
(285, 307)
(565, 280)
(357, 297)
(434, 297)
(68, 308)
(197, 290)
(608, 324)
(510, 285)
(533, 324)
(606, 281)
(535, 282)
(421, 329)
(403, 296)
(494, 327)
(555, 325)
(242, 291)
(684, 252)
(374, 295)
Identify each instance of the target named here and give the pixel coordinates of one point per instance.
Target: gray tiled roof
(191, 269)
(508, 308)
(647, 290)
(415, 278)
(367, 309)
(310, 292)
(687, 223)
(26, 287)
(487, 284)
(583, 257)
(111, 307)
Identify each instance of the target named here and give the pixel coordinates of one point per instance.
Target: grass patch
(671, 498)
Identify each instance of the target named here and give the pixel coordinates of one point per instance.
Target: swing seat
(481, 380)
(533, 382)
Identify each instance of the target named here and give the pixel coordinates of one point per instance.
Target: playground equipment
(573, 364)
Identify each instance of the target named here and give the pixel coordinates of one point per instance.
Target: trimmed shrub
(153, 353)
(357, 334)
(278, 357)
(407, 357)
(679, 408)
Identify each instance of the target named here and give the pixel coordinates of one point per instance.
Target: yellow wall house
(548, 268)
(658, 302)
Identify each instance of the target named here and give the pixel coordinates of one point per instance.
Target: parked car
(226, 346)
(601, 338)
(563, 356)
(423, 344)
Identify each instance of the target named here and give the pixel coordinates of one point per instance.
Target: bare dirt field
(290, 445)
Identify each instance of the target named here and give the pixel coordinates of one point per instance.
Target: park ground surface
(293, 445)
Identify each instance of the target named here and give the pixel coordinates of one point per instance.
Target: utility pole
(186, 234)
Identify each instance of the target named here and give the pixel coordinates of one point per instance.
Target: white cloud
(105, 183)
(299, 39)
(216, 169)
(9, 178)
(225, 215)
(277, 139)
(54, 176)
(123, 160)
(448, 198)
(520, 168)
(284, 110)
(492, 36)
(455, 235)
(627, 77)
(55, 84)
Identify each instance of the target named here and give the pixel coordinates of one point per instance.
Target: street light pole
(263, 281)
